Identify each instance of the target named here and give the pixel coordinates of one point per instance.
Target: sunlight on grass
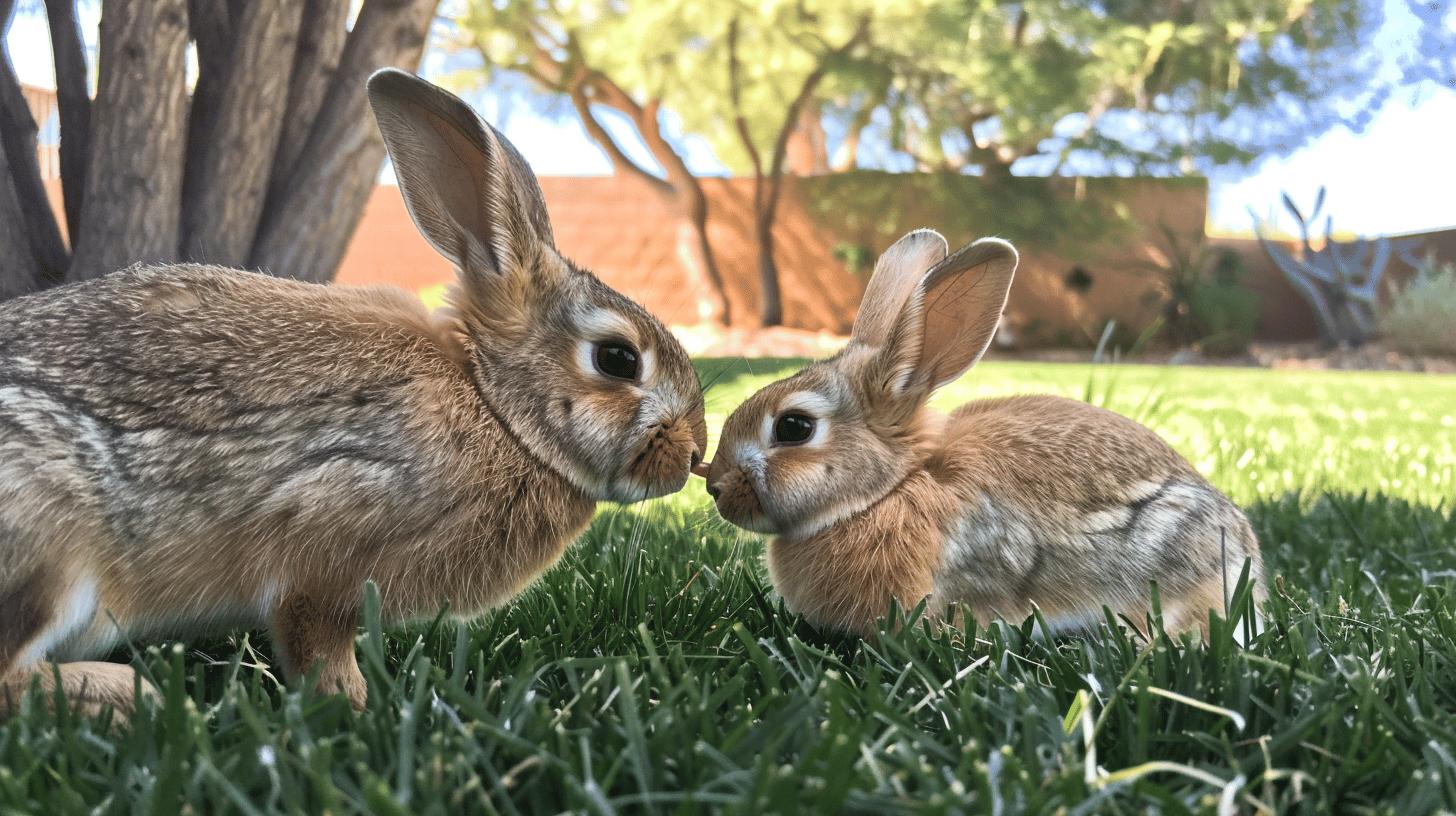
(1254, 432)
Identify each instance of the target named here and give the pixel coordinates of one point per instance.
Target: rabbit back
(1072, 507)
(182, 446)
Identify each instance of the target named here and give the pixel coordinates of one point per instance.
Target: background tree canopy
(989, 87)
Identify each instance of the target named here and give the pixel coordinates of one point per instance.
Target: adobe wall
(623, 233)
(618, 229)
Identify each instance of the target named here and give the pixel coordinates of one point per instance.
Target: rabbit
(1003, 505)
(187, 448)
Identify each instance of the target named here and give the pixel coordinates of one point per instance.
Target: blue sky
(1397, 175)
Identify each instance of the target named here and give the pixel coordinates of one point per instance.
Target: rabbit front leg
(308, 632)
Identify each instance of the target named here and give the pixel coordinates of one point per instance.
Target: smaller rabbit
(1002, 505)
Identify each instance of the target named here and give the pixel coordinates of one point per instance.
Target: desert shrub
(1222, 310)
(1421, 318)
(858, 259)
(1203, 300)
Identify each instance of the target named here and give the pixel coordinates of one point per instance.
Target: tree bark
(209, 24)
(73, 98)
(19, 272)
(18, 136)
(321, 38)
(132, 210)
(771, 300)
(227, 172)
(305, 232)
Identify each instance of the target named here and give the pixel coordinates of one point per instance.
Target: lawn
(654, 669)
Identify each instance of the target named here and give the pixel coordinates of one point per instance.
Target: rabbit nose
(715, 491)
(695, 459)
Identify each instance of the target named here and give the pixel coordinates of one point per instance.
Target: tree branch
(133, 205)
(848, 153)
(740, 122)
(210, 26)
(621, 162)
(791, 117)
(306, 229)
(227, 176)
(73, 98)
(18, 137)
(321, 37)
(18, 269)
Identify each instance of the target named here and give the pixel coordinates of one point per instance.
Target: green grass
(654, 670)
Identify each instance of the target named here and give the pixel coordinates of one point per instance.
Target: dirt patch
(1369, 357)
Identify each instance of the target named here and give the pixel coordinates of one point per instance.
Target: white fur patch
(806, 402)
(72, 616)
(604, 324)
(1161, 520)
(989, 550)
(1142, 491)
(268, 597)
(826, 518)
(1105, 521)
(749, 456)
(599, 326)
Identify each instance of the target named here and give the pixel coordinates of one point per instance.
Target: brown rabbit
(186, 448)
(1003, 504)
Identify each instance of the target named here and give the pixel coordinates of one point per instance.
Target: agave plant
(1340, 280)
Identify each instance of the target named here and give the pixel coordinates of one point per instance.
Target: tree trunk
(305, 232)
(19, 272)
(321, 40)
(227, 172)
(132, 210)
(210, 24)
(771, 306)
(18, 136)
(682, 191)
(713, 305)
(73, 98)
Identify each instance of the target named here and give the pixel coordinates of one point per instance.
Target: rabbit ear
(468, 190)
(948, 321)
(897, 274)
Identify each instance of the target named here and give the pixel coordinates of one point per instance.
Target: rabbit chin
(627, 490)
(760, 521)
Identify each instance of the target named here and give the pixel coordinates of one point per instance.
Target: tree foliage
(991, 87)
(1121, 86)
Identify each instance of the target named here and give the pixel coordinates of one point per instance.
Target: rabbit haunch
(188, 448)
(1004, 505)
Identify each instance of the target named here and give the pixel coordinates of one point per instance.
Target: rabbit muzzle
(663, 462)
(737, 500)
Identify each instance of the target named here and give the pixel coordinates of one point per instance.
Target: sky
(1397, 175)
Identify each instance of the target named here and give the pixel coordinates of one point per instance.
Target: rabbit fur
(186, 449)
(1003, 505)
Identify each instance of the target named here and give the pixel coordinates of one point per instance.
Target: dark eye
(793, 429)
(617, 360)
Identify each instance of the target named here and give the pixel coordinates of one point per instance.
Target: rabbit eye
(617, 360)
(793, 429)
